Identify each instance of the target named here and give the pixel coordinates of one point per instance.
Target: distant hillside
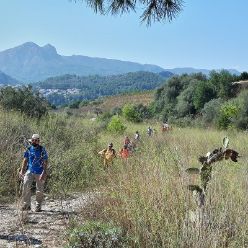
(189, 70)
(6, 79)
(109, 103)
(30, 62)
(68, 88)
(166, 74)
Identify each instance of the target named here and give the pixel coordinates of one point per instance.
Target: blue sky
(208, 34)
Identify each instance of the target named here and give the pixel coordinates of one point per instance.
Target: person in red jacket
(124, 152)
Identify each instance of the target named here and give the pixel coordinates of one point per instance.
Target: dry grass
(111, 102)
(148, 196)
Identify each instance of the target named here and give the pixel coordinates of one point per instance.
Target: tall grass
(71, 144)
(150, 201)
(147, 195)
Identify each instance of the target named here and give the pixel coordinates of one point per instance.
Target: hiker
(131, 146)
(137, 136)
(108, 155)
(165, 127)
(149, 131)
(34, 168)
(124, 152)
(126, 141)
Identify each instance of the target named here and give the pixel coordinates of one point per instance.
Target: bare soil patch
(43, 229)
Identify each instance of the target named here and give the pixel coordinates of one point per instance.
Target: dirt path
(43, 229)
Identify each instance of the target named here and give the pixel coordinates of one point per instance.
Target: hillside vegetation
(219, 101)
(111, 103)
(58, 90)
(213, 100)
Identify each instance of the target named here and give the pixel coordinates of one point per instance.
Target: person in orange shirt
(124, 152)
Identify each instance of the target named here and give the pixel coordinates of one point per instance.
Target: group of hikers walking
(128, 148)
(35, 163)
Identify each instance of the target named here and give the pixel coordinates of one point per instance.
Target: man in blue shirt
(34, 167)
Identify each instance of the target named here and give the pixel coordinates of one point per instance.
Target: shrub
(84, 103)
(204, 92)
(96, 234)
(185, 104)
(143, 111)
(74, 105)
(115, 125)
(130, 113)
(228, 112)
(211, 110)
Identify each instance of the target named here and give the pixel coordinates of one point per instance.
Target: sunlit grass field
(146, 196)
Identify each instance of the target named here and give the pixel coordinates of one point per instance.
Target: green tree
(204, 92)
(223, 83)
(143, 111)
(243, 76)
(175, 98)
(24, 100)
(185, 104)
(115, 125)
(211, 110)
(130, 113)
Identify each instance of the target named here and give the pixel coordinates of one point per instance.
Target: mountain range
(31, 63)
(6, 79)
